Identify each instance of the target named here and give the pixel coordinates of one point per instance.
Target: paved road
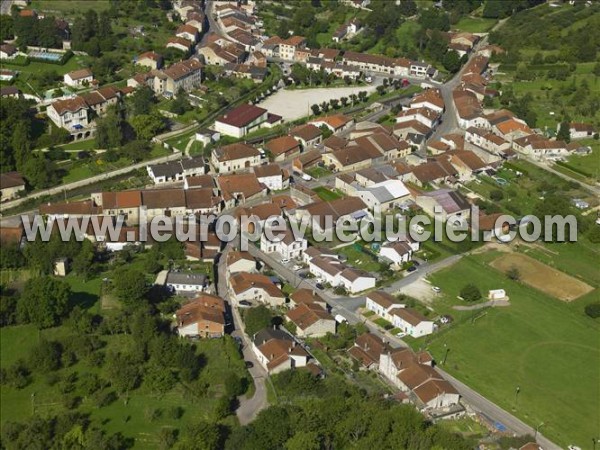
(92, 180)
(248, 407)
(347, 307)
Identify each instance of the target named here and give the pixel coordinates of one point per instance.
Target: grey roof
(191, 163)
(168, 169)
(193, 278)
(266, 334)
(450, 201)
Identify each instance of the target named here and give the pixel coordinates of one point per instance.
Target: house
(8, 51)
(356, 280)
(307, 160)
(428, 386)
(277, 351)
(384, 143)
(398, 252)
(326, 269)
(376, 63)
(177, 170)
(188, 32)
(306, 296)
(445, 205)
(469, 112)
(412, 322)
(220, 55)
(78, 78)
(382, 196)
(151, 60)
(581, 130)
(272, 176)
(434, 172)
(321, 213)
(428, 117)
(241, 120)
(11, 184)
(540, 147)
(184, 282)
(288, 47)
(240, 262)
(394, 361)
(10, 92)
(307, 135)
(381, 303)
(100, 100)
(255, 288)
(203, 317)
(70, 114)
(311, 320)
(184, 45)
(413, 131)
(466, 163)
(431, 99)
(125, 203)
(487, 140)
(246, 71)
(335, 123)
(367, 350)
(288, 246)
(239, 188)
(234, 157)
(184, 75)
(283, 147)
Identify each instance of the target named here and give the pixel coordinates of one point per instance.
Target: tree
(181, 104)
(451, 61)
(141, 102)
(470, 293)
(363, 96)
(234, 385)
(202, 436)
(563, 132)
(123, 372)
(83, 262)
(159, 380)
(146, 126)
(513, 273)
(45, 301)
(40, 172)
(45, 356)
(256, 319)
(130, 286)
(167, 437)
(593, 310)
(136, 150)
(109, 129)
(496, 195)
(316, 109)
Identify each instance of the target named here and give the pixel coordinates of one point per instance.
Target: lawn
(587, 165)
(538, 343)
(475, 24)
(325, 194)
(89, 144)
(318, 172)
(70, 6)
(359, 259)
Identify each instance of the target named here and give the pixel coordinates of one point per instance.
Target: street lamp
(446, 354)
(537, 430)
(517, 390)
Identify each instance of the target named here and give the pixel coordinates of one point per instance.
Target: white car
(306, 177)
(436, 289)
(285, 261)
(297, 267)
(401, 334)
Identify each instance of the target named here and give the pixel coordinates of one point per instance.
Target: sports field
(548, 348)
(540, 276)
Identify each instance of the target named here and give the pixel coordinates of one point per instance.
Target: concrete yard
(295, 104)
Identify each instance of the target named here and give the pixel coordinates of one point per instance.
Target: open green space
(359, 259)
(325, 194)
(69, 7)
(537, 343)
(475, 24)
(587, 165)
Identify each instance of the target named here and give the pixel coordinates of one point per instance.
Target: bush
(593, 310)
(496, 195)
(470, 293)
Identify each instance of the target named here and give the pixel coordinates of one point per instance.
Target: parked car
(319, 286)
(412, 269)
(296, 267)
(285, 261)
(436, 289)
(401, 334)
(306, 177)
(249, 364)
(244, 304)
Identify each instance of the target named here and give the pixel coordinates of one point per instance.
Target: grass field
(475, 24)
(357, 258)
(537, 343)
(542, 277)
(589, 165)
(326, 194)
(70, 6)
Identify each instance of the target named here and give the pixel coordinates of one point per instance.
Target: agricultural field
(536, 343)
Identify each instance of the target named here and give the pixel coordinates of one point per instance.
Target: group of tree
(470, 293)
(92, 33)
(33, 31)
(499, 9)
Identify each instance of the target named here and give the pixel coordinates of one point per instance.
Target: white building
(241, 120)
(234, 157)
(397, 252)
(78, 78)
(186, 282)
(272, 176)
(288, 247)
(355, 280)
(381, 303)
(412, 322)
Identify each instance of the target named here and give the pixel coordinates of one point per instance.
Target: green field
(475, 24)
(326, 195)
(69, 6)
(538, 343)
(588, 165)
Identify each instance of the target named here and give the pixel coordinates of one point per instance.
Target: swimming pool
(46, 55)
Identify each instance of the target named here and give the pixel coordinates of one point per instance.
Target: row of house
(412, 373)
